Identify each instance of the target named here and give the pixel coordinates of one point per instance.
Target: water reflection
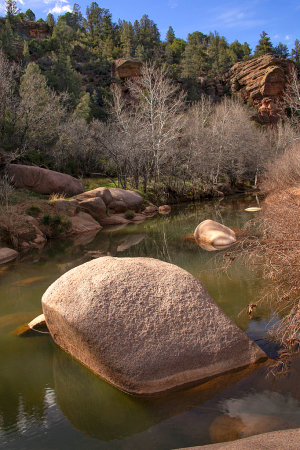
(46, 396)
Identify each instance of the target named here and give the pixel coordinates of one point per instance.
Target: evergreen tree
(29, 15)
(63, 78)
(195, 59)
(219, 55)
(11, 8)
(170, 36)
(126, 38)
(50, 20)
(295, 54)
(83, 109)
(77, 17)
(247, 51)
(281, 50)
(239, 52)
(146, 36)
(63, 35)
(264, 45)
(26, 53)
(176, 50)
(98, 22)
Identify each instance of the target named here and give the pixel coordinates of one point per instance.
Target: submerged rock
(164, 209)
(214, 233)
(144, 325)
(225, 428)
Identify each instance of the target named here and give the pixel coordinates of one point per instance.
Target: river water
(50, 401)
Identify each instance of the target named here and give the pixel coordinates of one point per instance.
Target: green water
(50, 401)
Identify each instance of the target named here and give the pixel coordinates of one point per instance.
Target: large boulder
(214, 233)
(83, 223)
(44, 181)
(131, 199)
(101, 192)
(94, 206)
(144, 325)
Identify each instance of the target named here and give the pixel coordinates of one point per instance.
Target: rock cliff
(37, 30)
(261, 83)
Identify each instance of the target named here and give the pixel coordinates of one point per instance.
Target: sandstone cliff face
(261, 81)
(37, 30)
(126, 68)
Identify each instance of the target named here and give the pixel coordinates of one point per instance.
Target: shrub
(46, 219)
(33, 210)
(58, 223)
(129, 214)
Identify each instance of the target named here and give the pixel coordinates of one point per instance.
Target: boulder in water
(214, 233)
(144, 325)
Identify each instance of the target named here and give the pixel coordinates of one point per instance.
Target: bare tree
(160, 104)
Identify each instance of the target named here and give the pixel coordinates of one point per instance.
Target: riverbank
(30, 219)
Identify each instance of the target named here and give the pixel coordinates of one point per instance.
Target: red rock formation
(261, 82)
(126, 68)
(37, 30)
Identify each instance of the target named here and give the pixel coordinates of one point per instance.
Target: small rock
(39, 322)
(7, 254)
(253, 208)
(165, 209)
(150, 209)
(40, 239)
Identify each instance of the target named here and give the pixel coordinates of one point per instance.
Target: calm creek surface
(50, 401)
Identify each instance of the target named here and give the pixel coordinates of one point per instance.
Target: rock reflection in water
(101, 411)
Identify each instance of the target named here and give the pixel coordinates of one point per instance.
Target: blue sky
(235, 19)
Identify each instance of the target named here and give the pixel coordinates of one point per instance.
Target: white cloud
(22, 3)
(276, 37)
(236, 18)
(59, 8)
(2, 7)
(48, 1)
(288, 37)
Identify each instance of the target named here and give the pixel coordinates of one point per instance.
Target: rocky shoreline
(30, 226)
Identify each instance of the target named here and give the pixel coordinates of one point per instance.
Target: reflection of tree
(23, 380)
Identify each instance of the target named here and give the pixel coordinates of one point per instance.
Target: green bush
(46, 219)
(58, 223)
(129, 214)
(33, 210)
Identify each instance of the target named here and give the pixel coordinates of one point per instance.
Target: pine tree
(281, 50)
(170, 36)
(295, 54)
(83, 109)
(26, 53)
(219, 55)
(264, 45)
(50, 20)
(11, 8)
(29, 15)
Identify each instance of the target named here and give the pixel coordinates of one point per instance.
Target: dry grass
(274, 245)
